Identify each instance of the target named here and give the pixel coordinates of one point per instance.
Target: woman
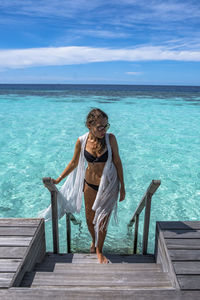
(101, 178)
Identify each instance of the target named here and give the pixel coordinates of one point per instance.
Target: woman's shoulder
(83, 137)
(111, 137)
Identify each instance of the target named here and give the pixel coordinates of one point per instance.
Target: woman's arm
(118, 164)
(72, 165)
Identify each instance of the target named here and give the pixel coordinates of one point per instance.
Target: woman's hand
(122, 193)
(56, 181)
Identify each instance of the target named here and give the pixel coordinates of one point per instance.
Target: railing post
(68, 229)
(146, 223)
(144, 203)
(55, 221)
(136, 234)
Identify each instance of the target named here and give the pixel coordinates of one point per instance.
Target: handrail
(144, 203)
(69, 217)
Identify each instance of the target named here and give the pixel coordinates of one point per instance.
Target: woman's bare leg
(102, 234)
(89, 196)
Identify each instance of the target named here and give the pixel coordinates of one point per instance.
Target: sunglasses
(106, 127)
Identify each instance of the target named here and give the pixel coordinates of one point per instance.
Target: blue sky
(93, 41)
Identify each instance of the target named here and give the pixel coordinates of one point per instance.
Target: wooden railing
(144, 203)
(69, 217)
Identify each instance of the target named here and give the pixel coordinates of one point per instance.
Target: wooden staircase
(82, 274)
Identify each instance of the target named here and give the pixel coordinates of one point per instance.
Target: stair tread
(96, 267)
(109, 294)
(94, 288)
(136, 279)
(92, 258)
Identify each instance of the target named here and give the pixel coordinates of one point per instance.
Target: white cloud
(102, 33)
(52, 56)
(133, 73)
(143, 9)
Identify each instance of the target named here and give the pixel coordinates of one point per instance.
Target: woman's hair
(92, 119)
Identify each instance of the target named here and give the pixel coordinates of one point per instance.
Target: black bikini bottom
(93, 186)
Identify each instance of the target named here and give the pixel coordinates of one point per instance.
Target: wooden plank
(62, 267)
(146, 223)
(150, 191)
(187, 267)
(183, 243)
(49, 184)
(135, 240)
(54, 207)
(98, 271)
(68, 230)
(19, 221)
(95, 293)
(163, 257)
(184, 255)
(12, 252)
(9, 265)
(17, 230)
(14, 241)
(92, 258)
(33, 254)
(184, 225)
(134, 279)
(5, 279)
(189, 282)
(181, 234)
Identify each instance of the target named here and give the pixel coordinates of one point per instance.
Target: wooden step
(33, 293)
(92, 258)
(134, 279)
(88, 268)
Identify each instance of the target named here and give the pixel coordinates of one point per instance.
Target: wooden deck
(171, 274)
(179, 252)
(83, 272)
(22, 244)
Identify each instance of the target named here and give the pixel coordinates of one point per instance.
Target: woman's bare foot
(92, 248)
(102, 259)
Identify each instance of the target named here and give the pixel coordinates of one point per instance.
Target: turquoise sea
(157, 129)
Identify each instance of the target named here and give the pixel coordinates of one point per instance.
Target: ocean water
(157, 129)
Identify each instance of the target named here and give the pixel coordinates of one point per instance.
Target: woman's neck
(92, 137)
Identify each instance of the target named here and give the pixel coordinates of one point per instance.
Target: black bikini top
(94, 159)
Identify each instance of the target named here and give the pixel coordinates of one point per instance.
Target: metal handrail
(69, 217)
(144, 203)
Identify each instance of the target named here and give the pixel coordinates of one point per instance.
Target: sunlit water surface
(157, 129)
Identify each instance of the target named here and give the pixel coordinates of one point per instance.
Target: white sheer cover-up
(70, 196)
